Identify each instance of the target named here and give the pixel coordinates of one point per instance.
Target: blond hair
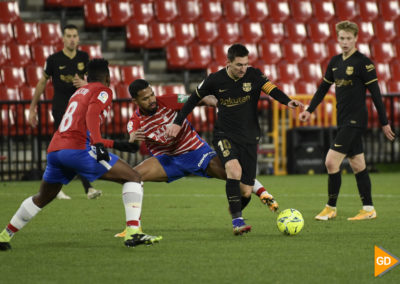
(347, 26)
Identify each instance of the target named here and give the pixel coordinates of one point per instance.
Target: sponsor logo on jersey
(230, 102)
(221, 91)
(334, 69)
(61, 67)
(246, 87)
(81, 66)
(349, 70)
(103, 96)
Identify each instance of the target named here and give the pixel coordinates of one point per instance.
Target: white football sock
(25, 213)
(132, 197)
(368, 208)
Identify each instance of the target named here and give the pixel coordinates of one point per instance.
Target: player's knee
(331, 165)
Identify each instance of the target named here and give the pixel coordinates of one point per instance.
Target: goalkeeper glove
(126, 146)
(101, 152)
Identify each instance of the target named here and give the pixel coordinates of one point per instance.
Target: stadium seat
(177, 55)
(310, 72)
(234, 10)
(41, 52)
(50, 33)
(130, 73)
(172, 89)
(389, 9)
(269, 70)
(95, 14)
(253, 53)
(228, 31)
(207, 32)
(316, 51)
(393, 88)
(137, 34)
(143, 11)
(318, 32)
(269, 52)
(365, 32)
(160, 34)
(9, 94)
(287, 87)
(115, 74)
(383, 87)
(251, 32)
(200, 56)
(364, 48)
(382, 51)
(396, 46)
(292, 52)
(384, 30)
(296, 31)
(3, 55)
(33, 74)
(257, 10)
(273, 31)
(211, 10)
(49, 91)
(305, 88)
(288, 72)
(6, 33)
(122, 91)
(346, 9)
(395, 69)
(324, 11)
(368, 10)
(9, 12)
(382, 71)
(333, 48)
(301, 10)
(27, 92)
(279, 10)
(12, 77)
(19, 55)
(219, 51)
(184, 33)
(189, 11)
(119, 13)
(94, 50)
(26, 33)
(214, 67)
(165, 10)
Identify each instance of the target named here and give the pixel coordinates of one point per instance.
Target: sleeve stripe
(329, 82)
(268, 87)
(197, 93)
(369, 82)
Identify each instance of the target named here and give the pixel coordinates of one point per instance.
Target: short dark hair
(69, 27)
(97, 70)
(136, 86)
(237, 50)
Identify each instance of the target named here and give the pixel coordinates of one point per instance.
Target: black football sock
(233, 195)
(364, 187)
(245, 201)
(86, 184)
(334, 183)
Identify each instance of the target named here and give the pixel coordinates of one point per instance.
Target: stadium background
(174, 44)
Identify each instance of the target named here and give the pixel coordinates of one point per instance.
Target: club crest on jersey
(349, 70)
(103, 96)
(246, 87)
(81, 66)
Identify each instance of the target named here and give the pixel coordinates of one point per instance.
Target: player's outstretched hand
(173, 130)
(295, 103)
(387, 130)
(304, 116)
(126, 146)
(101, 152)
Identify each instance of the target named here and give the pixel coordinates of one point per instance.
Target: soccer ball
(290, 222)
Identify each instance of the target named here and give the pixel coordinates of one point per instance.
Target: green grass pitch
(71, 241)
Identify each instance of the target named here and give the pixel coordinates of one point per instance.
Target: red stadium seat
(33, 74)
(143, 11)
(177, 56)
(296, 31)
(310, 72)
(172, 89)
(318, 32)
(96, 14)
(385, 30)
(50, 33)
(200, 56)
(365, 32)
(389, 9)
(333, 48)
(273, 31)
(288, 72)
(41, 52)
(211, 10)
(9, 12)
(228, 32)
(19, 54)
(251, 31)
(6, 33)
(115, 74)
(382, 71)
(214, 67)
(131, 73)
(253, 53)
(3, 55)
(395, 69)
(383, 87)
(137, 34)
(26, 33)
(257, 10)
(269, 70)
(219, 51)
(160, 34)
(27, 92)
(9, 94)
(305, 88)
(396, 46)
(301, 10)
(12, 77)
(234, 10)
(279, 10)
(368, 10)
(122, 91)
(270, 53)
(346, 9)
(49, 91)
(316, 51)
(364, 49)
(119, 13)
(165, 10)
(94, 50)
(393, 87)
(324, 11)
(185, 33)
(292, 52)
(189, 11)
(382, 51)
(207, 32)
(287, 87)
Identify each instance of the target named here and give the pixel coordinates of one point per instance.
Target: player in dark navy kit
(67, 69)
(352, 73)
(237, 132)
(78, 148)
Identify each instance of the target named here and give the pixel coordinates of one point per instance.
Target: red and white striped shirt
(154, 127)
